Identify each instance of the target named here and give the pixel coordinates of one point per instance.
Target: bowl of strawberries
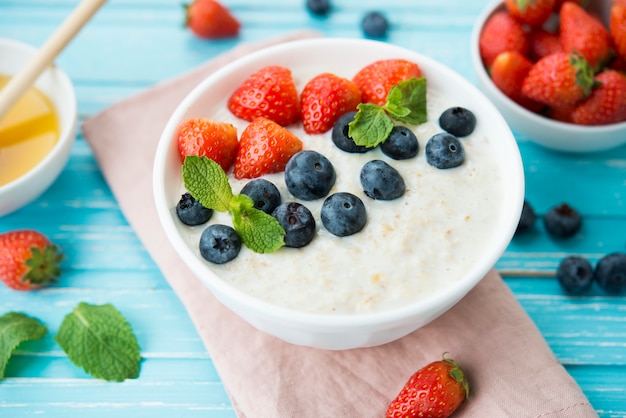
(556, 70)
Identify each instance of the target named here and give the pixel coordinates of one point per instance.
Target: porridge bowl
(416, 256)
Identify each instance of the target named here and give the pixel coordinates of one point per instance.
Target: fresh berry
(607, 102)
(343, 214)
(264, 148)
(458, 121)
(531, 12)
(203, 137)
(264, 194)
(191, 212)
(581, 32)
(610, 273)
(324, 99)
(508, 72)
(211, 20)
(380, 181)
(527, 218)
(558, 80)
(617, 28)
(562, 221)
(500, 33)
(28, 260)
(219, 244)
(543, 43)
(318, 7)
(342, 139)
(374, 25)
(269, 92)
(309, 175)
(298, 223)
(444, 150)
(378, 78)
(401, 144)
(435, 390)
(575, 274)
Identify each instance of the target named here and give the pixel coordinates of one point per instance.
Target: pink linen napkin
(512, 371)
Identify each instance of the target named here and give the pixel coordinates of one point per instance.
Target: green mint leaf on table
(207, 182)
(16, 328)
(98, 339)
(260, 232)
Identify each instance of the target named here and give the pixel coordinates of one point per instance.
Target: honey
(28, 132)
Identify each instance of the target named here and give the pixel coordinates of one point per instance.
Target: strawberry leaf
(371, 125)
(16, 328)
(207, 182)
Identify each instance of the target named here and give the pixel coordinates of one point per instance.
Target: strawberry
(436, 390)
(531, 12)
(28, 260)
(269, 92)
(376, 79)
(324, 99)
(607, 103)
(559, 3)
(204, 137)
(264, 148)
(543, 43)
(211, 20)
(508, 71)
(558, 80)
(617, 28)
(501, 33)
(581, 32)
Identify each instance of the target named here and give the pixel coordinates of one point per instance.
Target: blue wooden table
(132, 44)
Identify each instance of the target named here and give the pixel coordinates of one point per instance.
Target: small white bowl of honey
(37, 133)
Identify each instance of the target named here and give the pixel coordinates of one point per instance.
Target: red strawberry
(264, 148)
(617, 28)
(508, 71)
(204, 137)
(607, 103)
(436, 390)
(28, 260)
(324, 99)
(211, 20)
(270, 92)
(581, 3)
(501, 33)
(559, 80)
(531, 12)
(376, 79)
(585, 34)
(543, 43)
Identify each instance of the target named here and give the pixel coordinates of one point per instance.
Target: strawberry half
(500, 33)
(204, 137)
(531, 12)
(264, 147)
(271, 93)
(376, 79)
(211, 20)
(607, 103)
(324, 99)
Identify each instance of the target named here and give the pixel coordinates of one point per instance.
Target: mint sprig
(208, 184)
(15, 328)
(406, 102)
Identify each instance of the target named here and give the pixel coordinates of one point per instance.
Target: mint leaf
(207, 182)
(260, 232)
(98, 339)
(371, 125)
(15, 328)
(406, 101)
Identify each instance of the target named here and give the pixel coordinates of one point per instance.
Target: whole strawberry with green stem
(607, 102)
(28, 260)
(210, 19)
(376, 80)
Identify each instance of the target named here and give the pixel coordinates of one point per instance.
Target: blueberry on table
(458, 121)
(343, 214)
(318, 7)
(309, 175)
(374, 25)
(401, 144)
(219, 244)
(298, 223)
(191, 212)
(444, 150)
(610, 273)
(264, 193)
(562, 221)
(340, 137)
(380, 181)
(575, 274)
(527, 218)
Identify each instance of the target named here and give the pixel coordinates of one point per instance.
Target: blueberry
(527, 218)
(380, 181)
(374, 25)
(610, 273)
(309, 175)
(562, 221)
(458, 121)
(219, 244)
(340, 136)
(444, 150)
(264, 193)
(575, 274)
(401, 144)
(298, 223)
(343, 214)
(318, 7)
(191, 212)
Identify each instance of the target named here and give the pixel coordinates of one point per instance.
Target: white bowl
(57, 86)
(549, 133)
(328, 330)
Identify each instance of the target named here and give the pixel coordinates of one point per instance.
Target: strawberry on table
(501, 33)
(28, 260)
(508, 72)
(617, 28)
(211, 20)
(376, 79)
(264, 147)
(269, 92)
(204, 137)
(531, 12)
(607, 103)
(324, 99)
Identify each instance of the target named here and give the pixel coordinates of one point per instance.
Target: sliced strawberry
(617, 28)
(204, 137)
(531, 12)
(211, 20)
(264, 147)
(501, 33)
(508, 72)
(581, 32)
(376, 79)
(324, 99)
(271, 93)
(607, 103)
